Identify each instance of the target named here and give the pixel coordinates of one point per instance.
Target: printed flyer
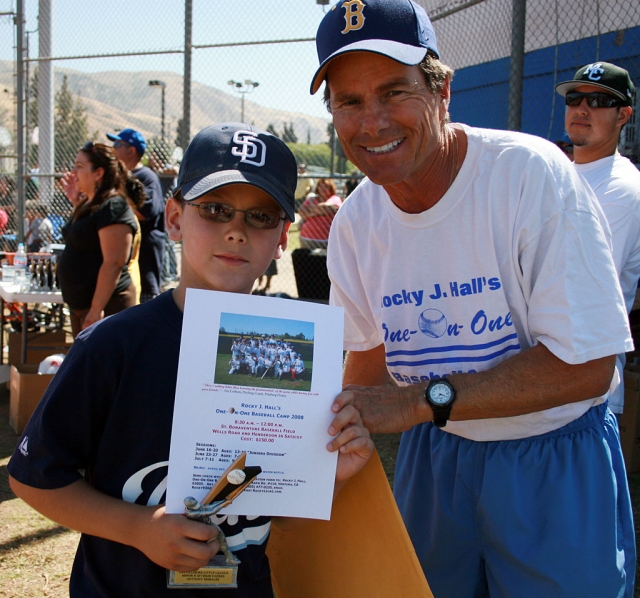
(256, 375)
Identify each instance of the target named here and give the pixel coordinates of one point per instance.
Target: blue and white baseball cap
(399, 29)
(229, 153)
(132, 137)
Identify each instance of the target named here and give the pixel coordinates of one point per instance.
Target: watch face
(440, 394)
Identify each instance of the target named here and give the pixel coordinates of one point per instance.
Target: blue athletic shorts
(543, 517)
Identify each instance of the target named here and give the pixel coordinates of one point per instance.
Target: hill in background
(118, 99)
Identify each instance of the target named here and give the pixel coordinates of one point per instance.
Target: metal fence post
(516, 71)
(21, 119)
(45, 101)
(186, 106)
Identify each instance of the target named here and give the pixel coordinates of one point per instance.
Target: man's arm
(366, 368)
(171, 541)
(531, 381)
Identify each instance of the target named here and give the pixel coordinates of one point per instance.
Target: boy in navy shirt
(94, 455)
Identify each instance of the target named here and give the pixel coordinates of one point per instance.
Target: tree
(271, 129)
(72, 131)
(289, 135)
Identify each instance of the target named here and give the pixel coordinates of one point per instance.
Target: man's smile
(387, 147)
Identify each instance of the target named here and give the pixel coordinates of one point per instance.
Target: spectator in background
(599, 102)
(93, 268)
(160, 163)
(317, 213)
(305, 184)
(129, 147)
(38, 227)
(4, 220)
(8, 203)
(136, 196)
(351, 184)
(264, 282)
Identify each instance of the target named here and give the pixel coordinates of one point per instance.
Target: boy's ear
(282, 241)
(173, 219)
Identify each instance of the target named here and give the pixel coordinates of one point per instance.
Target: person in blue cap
(475, 273)
(94, 455)
(129, 146)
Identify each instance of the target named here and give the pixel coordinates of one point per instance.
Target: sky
(283, 71)
(246, 323)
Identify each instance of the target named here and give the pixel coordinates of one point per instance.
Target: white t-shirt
(513, 254)
(616, 184)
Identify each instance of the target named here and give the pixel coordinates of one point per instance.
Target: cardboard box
(630, 419)
(48, 343)
(27, 388)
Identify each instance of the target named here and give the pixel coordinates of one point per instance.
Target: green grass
(223, 377)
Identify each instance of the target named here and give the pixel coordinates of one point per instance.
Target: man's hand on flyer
(352, 441)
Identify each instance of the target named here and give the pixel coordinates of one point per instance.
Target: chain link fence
(168, 69)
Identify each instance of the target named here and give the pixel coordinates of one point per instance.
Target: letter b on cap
(353, 15)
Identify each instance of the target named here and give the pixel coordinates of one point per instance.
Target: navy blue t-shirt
(152, 229)
(108, 411)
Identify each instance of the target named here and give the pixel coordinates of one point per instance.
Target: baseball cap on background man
(132, 137)
(605, 75)
(229, 153)
(399, 29)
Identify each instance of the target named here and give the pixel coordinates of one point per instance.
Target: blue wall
(480, 94)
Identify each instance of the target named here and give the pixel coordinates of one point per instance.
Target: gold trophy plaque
(222, 569)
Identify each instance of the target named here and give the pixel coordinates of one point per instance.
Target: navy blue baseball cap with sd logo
(229, 153)
(399, 29)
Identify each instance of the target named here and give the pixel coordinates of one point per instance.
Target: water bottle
(20, 258)
(20, 266)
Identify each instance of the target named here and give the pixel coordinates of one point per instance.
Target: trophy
(222, 569)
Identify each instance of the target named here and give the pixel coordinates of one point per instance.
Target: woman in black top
(93, 270)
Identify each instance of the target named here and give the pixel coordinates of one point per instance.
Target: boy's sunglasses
(219, 212)
(594, 100)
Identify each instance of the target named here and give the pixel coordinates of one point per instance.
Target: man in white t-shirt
(475, 272)
(599, 102)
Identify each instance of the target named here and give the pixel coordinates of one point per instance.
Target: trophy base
(217, 574)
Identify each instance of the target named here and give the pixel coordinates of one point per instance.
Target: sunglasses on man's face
(594, 100)
(118, 144)
(255, 217)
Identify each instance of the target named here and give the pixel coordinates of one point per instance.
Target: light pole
(243, 88)
(163, 85)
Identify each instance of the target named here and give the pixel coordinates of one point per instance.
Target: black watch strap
(441, 415)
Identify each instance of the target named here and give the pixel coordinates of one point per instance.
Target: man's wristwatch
(440, 395)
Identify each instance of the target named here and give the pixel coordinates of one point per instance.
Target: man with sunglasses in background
(129, 146)
(599, 102)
